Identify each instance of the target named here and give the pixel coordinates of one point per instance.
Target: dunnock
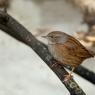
(67, 49)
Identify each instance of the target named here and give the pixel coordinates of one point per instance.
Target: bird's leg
(69, 76)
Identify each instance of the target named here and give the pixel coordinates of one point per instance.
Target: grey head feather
(57, 37)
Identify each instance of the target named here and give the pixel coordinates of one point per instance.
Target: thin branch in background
(85, 73)
(89, 75)
(16, 30)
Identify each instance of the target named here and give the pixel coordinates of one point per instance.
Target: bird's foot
(67, 77)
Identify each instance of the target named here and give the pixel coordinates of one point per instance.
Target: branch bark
(16, 30)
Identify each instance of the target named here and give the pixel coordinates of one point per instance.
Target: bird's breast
(63, 54)
(57, 52)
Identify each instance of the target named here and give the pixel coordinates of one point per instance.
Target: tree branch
(16, 30)
(85, 73)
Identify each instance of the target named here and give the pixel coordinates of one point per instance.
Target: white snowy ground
(22, 72)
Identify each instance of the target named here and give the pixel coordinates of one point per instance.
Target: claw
(67, 77)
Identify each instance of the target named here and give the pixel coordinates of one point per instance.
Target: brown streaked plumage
(67, 49)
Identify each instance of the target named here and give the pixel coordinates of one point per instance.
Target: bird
(4, 4)
(67, 50)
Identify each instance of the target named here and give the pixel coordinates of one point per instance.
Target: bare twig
(85, 73)
(89, 75)
(16, 30)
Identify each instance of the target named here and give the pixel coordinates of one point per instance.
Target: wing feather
(76, 48)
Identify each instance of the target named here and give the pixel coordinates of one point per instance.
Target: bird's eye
(51, 36)
(54, 36)
(57, 36)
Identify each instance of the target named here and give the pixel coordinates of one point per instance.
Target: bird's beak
(44, 36)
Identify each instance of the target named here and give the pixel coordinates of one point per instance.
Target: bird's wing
(76, 48)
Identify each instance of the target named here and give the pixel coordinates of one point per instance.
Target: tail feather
(92, 53)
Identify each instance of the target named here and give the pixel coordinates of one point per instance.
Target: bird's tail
(92, 53)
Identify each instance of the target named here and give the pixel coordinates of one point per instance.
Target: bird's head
(56, 37)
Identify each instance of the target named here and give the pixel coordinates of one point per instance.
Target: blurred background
(21, 70)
